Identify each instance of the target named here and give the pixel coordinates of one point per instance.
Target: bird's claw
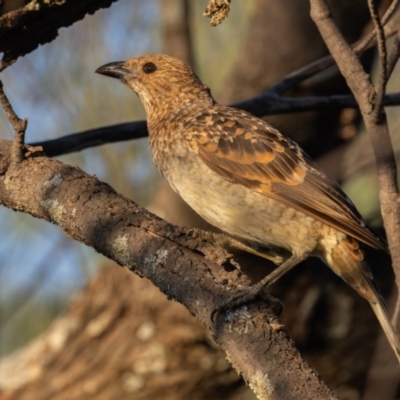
(247, 297)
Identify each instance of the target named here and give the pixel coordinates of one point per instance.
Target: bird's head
(160, 81)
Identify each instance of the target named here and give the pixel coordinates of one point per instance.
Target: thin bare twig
(364, 44)
(19, 125)
(380, 87)
(11, 115)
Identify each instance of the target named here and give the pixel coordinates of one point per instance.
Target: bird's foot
(257, 289)
(246, 297)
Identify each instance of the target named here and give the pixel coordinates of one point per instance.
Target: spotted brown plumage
(249, 151)
(245, 177)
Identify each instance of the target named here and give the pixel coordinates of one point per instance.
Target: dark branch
(267, 103)
(264, 104)
(93, 137)
(23, 30)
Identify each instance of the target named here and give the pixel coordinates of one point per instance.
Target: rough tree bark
(22, 30)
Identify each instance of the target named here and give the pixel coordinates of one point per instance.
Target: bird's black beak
(114, 70)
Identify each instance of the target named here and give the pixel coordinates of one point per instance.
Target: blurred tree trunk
(121, 339)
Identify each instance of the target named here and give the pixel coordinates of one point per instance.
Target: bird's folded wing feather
(246, 150)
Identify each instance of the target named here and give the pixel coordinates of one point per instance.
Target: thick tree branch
(181, 263)
(23, 30)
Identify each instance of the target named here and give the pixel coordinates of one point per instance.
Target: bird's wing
(246, 150)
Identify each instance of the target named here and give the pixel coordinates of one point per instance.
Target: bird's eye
(149, 68)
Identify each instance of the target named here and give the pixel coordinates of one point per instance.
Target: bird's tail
(347, 261)
(386, 323)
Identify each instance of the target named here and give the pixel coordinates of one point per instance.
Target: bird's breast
(234, 208)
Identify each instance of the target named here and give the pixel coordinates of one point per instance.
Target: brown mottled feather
(252, 153)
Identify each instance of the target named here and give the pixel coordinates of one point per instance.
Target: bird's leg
(276, 255)
(279, 272)
(255, 290)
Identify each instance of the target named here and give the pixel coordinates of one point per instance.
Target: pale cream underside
(244, 213)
